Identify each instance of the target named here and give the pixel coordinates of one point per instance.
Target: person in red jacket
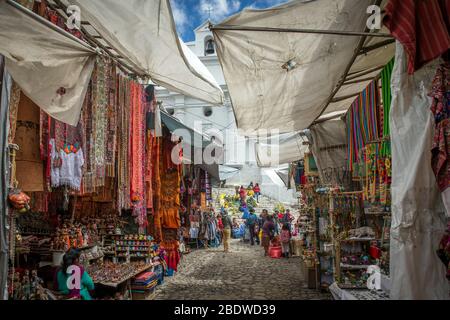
(243, 194)
(257, 191)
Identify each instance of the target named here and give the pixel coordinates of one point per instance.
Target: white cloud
(180, 16)
(218, 9)
(262, 4)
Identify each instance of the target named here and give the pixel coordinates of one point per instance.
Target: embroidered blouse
(66, 168)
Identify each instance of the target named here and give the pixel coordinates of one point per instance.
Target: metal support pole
(306, 31)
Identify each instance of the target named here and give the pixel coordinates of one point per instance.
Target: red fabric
(256, 189)
(421, 26)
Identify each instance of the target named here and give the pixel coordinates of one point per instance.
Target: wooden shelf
(358, 240)
(353, 267)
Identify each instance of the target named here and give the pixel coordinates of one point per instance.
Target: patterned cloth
(441, 109)
(422, 28)
(138, 134)
(123, 197)
(13, 108)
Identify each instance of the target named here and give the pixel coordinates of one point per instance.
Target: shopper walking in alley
(268, 234)
(285, 238)
(251, 224)
(257, 191)
(276, 221)
(243, 194)
(287, 219)
(227, 226)
(220, 228)
(261, 220)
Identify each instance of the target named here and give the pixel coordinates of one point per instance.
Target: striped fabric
(421, 26)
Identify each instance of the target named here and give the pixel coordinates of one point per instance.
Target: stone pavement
(243, 274)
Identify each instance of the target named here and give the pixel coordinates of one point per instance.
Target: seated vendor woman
(72, 280)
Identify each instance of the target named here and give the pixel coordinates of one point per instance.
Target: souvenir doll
(86, 238)
(26, 286)
(80, 239)
(17, 287)
(41, 294)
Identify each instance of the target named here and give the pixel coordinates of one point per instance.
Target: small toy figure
(80, 239)
(26, 286)
(17, 295)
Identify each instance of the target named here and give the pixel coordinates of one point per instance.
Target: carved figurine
(17, 295)
(26, 286)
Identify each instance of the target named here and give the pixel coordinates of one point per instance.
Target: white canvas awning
(280, 149)
(143, 33)
(267, 96)
(44, 61)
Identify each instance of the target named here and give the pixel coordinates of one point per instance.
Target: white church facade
(219, 121)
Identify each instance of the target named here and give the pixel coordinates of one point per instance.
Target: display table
(129, 277)
(339, 293)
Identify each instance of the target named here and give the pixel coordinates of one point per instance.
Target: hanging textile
(150, 155)
(362, 123)
(137, 146)
(440, 93)
(170, 188)
(157, 232)
(111, 132)
(100, 83)
(386, 75)
(13, 108)
(421, 27)
(98, 126)
(123, 197)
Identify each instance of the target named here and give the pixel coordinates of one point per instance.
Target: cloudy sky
(189, 14)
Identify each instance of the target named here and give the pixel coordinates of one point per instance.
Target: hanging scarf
(124, 193)
(138, 131)
(386, 75)
(150, 158)
(100, 119)
(87, 185)
(111, 140)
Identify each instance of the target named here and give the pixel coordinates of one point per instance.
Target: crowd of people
(266, 229)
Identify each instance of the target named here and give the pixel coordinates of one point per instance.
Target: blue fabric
(246, 213)
(252, 219)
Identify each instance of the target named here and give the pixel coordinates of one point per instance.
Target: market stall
(92, 171)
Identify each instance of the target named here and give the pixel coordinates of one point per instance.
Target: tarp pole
(358, 49)
(117, 58)
(47, 23)
(308, 31)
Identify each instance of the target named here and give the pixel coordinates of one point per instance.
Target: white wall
(238, 150)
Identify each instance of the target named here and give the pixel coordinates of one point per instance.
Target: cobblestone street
(243, 274)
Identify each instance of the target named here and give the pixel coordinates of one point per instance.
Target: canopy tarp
(52, 69)
(227, 172)
(144, 33)
(280, 149)
(267, 96)
(329, 148)
(283, 173)
(196, 146)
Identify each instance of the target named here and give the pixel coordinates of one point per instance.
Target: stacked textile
(144, 283)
